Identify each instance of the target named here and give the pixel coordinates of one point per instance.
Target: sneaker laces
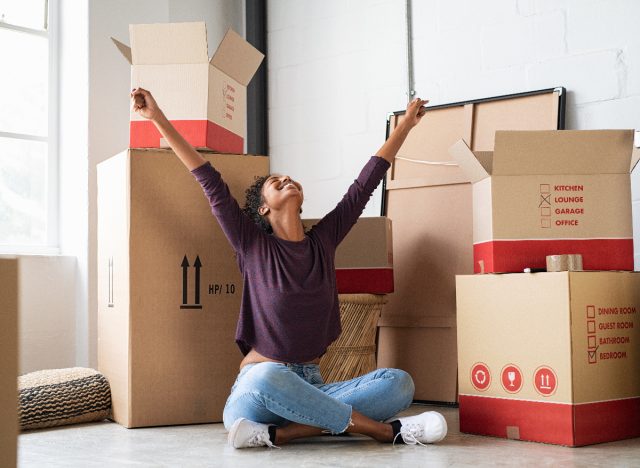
(259, 438)
(410, 434)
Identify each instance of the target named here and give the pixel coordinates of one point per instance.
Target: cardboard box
(550, 357)
(169, 288)
(429, 199)
(364, 259)
(204, 99)
(8, 361)
(551, 192)
(434, 375)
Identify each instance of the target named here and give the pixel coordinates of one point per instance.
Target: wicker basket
(354, 353)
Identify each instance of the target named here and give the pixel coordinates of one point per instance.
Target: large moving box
(428, 198)
(204, 99)
(550, 357)
(551, 192)
(364, 259)
(8, 362)
(169, 288)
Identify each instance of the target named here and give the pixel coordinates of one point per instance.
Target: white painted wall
(73, 168)
(336, 68)
(46, 312)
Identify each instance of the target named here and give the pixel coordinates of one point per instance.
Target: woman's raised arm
(143, 103)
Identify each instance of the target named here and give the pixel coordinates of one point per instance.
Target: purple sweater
(289, 309)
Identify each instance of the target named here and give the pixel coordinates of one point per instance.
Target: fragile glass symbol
(481, 377)
(511, 375)
(544, 382)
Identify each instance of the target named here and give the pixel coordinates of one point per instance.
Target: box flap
(125, 50)
(237, 58)
(468, 161)
(485, 158)
(168, 43)
(562, 152)
(635, 156)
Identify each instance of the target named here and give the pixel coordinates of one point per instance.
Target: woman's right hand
(142, 103)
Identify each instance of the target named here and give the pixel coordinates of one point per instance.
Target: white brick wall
(336, 68)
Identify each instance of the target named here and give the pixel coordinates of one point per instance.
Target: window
(28, 159)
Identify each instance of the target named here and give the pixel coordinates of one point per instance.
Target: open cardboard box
(545, 193)
(204, 98)
(428, 198)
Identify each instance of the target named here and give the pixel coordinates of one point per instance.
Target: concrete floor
(108, 444)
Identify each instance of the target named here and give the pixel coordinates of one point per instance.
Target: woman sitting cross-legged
(290, 312)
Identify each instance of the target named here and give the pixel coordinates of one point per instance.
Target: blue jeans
(275, 393)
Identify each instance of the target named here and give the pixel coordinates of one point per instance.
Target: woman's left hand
(415, 112)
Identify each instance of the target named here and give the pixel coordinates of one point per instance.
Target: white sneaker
(425, 428)
(245, 434)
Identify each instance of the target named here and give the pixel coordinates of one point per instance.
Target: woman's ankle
(386, 434)
(272, 435)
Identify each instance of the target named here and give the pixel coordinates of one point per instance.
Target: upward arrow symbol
(185, 283)
(185, 267)
(197, 266)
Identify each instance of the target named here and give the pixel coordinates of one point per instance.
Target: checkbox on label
(545, 211)
(591, 326)
(545, 188)
(545, 222)
(592, 356)
(591, 311)
(591, 342)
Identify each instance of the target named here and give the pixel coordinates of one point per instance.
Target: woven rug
(56, 397)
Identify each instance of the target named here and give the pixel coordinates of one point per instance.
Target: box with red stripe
(551, 192)
(550, 357)
(364, 259)
(204, 98)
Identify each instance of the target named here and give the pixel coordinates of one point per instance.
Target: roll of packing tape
(564, 262)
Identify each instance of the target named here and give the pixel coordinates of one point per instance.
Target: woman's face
(278, 190)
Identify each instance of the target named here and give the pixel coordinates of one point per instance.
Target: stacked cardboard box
(364, 259)
(8, 361)
(429, 199)
(551, 357)
(547, 193)
(205, 99)
(169, 288)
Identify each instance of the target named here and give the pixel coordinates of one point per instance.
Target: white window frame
(52, 245)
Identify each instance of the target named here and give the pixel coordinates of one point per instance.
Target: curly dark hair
(254, 201)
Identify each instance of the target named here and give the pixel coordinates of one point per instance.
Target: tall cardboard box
(428, 198)
(551, 192)
(364, 258)
(169, 288)
(8, 361)
(550, 357)
(204, 99)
